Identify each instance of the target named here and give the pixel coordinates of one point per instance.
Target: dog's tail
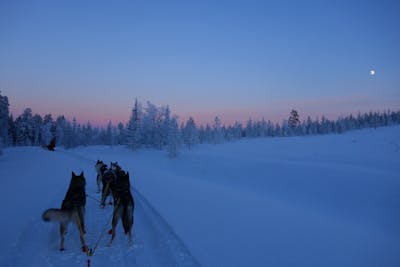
(56, 215)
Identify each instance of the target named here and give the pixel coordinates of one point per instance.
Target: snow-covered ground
(301, 201)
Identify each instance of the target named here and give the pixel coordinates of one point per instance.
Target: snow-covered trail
(301, 201)
(154, 241)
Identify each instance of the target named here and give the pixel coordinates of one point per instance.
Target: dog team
(113, 182)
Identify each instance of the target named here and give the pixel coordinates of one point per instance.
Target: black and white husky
(100, 167)
(72, 209)
(124, 205)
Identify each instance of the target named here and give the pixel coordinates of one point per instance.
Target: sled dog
(72, 209)
(115, 167)
(100, 167)
(123, 206)
(108, 179)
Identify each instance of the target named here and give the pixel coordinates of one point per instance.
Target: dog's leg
(82, 218)
(127, 220)
(130, 230)
(104, 194)
(80, 224)
(63, 228)
(98, 183)
(115, 219)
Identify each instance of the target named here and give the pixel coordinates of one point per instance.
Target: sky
(232, 59)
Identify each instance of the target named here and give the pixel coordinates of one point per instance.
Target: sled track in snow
(172, 243)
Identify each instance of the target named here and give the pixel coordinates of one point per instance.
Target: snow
(330, 200)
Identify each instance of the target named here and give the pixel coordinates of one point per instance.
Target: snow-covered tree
(47, 129)
(37, 133)
(133, 129)
(149, 126)
(294, 119)
(164, 126)
(174, 138)
(59, 133)
(4, 119)
(109, 136)
(121, 134)
(25, 128)
(249, 131)
(217, 131)
(87, 134)
(190, 133)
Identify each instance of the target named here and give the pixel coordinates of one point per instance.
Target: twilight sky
(234, 59)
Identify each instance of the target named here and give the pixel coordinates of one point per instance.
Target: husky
(109, 178)
(124, 206)
(72, 209)
(115, 167)
(100, 167)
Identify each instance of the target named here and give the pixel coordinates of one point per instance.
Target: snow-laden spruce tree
(150, 126)
(190, 133)
(121, 134)
(25, 128)
(290, 128)
(47, 130)
(4, 118)
(133, 129)
(174, 138)
(164, 122)
(218, 136)
(109, 135)
(294, 119)
(37, 131)
(87, 134)
(68, 138)
(60, 125)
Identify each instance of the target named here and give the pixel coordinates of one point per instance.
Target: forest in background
(151, 126)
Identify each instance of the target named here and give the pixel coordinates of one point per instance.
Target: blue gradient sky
(234, 59)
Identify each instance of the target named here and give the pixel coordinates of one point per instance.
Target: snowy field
(329, 200)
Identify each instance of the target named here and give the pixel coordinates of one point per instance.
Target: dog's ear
(127, 174)
(81, 173)
(73, 174)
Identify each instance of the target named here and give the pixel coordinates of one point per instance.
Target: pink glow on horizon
(330, 108)
(276, 112)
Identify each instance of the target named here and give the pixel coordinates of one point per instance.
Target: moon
(372, 72)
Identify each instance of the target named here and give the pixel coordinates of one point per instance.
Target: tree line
(155, 127)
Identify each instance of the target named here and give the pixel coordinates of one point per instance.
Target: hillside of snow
(330, 200)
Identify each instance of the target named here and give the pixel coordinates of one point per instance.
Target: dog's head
(99, 163)
(115, 167)
(100, 166)
(77, 181)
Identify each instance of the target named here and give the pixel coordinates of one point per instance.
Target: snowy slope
(300, 201)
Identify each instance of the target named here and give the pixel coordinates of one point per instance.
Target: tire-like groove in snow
(171, 241)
